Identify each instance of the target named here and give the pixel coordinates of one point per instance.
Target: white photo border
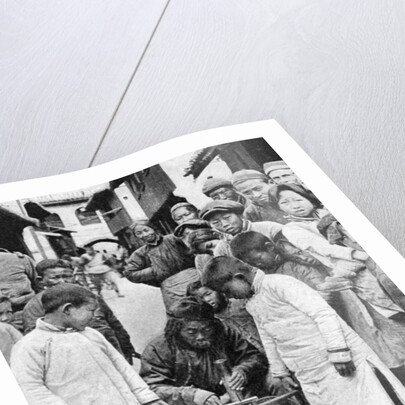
(366, 234)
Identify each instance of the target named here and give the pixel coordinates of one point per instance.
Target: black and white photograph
(215, 277)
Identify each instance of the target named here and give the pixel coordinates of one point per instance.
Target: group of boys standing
(262, 277)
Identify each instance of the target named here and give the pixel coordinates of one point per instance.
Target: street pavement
(141, 311)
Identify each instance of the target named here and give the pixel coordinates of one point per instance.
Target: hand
(284, 383)
(345, 369)
(359, 255)
(237, 380)
(225, 399)
(213, 400)
(334, 284)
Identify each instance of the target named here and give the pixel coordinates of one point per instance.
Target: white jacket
(56, 367)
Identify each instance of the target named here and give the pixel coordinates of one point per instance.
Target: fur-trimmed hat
(192, 308)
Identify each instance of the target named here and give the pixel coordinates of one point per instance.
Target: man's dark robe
(180, 375)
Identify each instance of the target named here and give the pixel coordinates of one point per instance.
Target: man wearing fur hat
(255, 186)
(179, 365)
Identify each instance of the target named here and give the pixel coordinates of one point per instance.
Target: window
(87, 217)
(54, 220)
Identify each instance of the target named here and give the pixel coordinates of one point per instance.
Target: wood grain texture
(64, 66)
(330, 72)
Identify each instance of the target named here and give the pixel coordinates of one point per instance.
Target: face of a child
(256, 190)
(57, 275)
(227, 222)
(284, 176)
(6, 313)
(197, 334)
(224, 193)
(293, 203)
(211, 297)
(79, 317)
(263, 259)
(237, 288)
(145, 233)
(183, 214)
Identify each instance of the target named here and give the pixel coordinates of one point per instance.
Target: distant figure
(121, 254)
(95, 263)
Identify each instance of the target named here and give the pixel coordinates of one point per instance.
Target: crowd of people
(265, 293)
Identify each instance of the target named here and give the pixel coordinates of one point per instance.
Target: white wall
(189, 188)
(83, 233)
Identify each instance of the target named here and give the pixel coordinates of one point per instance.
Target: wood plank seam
(129, 83)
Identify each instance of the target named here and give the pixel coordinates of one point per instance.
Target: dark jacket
(153, 263)
(18, 279)
(178, 374)
(236, 317)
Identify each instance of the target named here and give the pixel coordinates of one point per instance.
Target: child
(302, 333)
(65, 362)
(259, 251)
(227, 218)
(9, 335)
(53, 272)
(384, 336)
(344, 261)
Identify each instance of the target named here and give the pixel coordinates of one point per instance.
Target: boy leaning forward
(303, 334)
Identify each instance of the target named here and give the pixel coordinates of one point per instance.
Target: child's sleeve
(308, 301)
(305, 239)
(277, 367)
(27, 364)
(137, 385)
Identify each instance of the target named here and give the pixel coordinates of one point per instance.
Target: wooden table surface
(85, 82)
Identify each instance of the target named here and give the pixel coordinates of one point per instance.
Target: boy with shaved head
(63, 361)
